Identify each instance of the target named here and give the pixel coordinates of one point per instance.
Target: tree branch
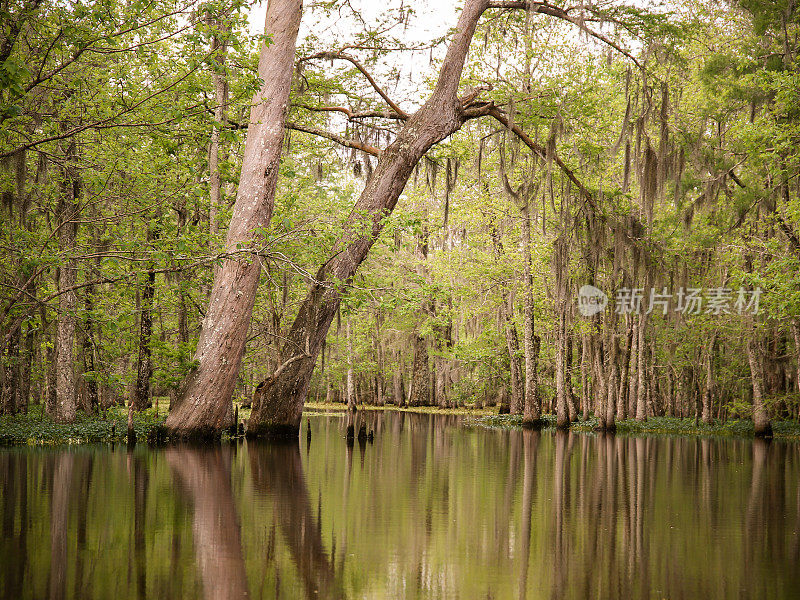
(336, 138)
(341, 56)
(352, 115)
(559, 13)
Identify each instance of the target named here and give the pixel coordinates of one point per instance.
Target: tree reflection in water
(431, 509)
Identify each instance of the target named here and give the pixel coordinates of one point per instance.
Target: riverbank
(37, 429)
(786, 430)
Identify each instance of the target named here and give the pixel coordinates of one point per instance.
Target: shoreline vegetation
(110, 427)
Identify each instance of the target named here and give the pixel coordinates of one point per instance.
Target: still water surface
(431, 509)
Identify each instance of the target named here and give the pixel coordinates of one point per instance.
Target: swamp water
(432, 509)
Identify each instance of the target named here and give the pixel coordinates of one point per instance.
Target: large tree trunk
(204, 402)
(280, 404)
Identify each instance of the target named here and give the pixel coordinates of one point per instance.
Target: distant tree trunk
(599, 383)
(89, 366)
(572, 401)
(9, 373)
(144, 363)
(397, 381)
(609, 409)
(443, 114)
(380, 392)
(641, 370)
(27, 358)
(219, 48)
(205, 398)
(50, 375)
(517, 381)
(708, 390)
(762, 425)
(532, 411)
(562, 409)
(559, 267)
(624, 383)
(586, 368)
(351, 386)
(796, 336)
(66, 402)
(633, 372)
(420, 373)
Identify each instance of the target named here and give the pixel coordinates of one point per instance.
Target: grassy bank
(111, 426)
(36, 428)
(788, 430)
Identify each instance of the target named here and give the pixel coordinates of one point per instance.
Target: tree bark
(421, 373)
(624, 384)
(205, 397)
(398, 387)
(532, 412)
(708, 390)
(609, 408)
(144, 364)
(762, 425)
(66, 402)
(219, 47)
(562, 410)
(515, 365)
(281, 405)
(641, 384)
(351, 386)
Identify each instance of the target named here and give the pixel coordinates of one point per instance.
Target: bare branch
(336, 138)
(351, 115)
(360, 67)
(559, 13)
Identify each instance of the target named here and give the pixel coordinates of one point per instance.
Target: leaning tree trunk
(280, 403)
(204, 402)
